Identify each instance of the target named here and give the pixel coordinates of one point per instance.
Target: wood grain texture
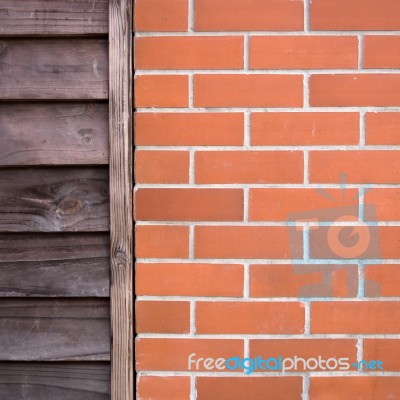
(31, 247)
(53, 69)
(49, 329)
(48, 265)
(121, 183)
(54, 199)
(51, 381)
(53, 134)
(44, 17)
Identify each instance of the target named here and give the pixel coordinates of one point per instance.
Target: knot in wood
(121, 257)
(3, 45)
(90, 109)
(69, 205)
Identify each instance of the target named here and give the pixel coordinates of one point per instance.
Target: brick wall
(267, 195)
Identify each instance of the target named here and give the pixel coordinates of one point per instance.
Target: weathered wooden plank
(31, 247)
(49, 265)
(51, 133)
(49, 329)
(54, 199)
(44, 17)
(55, 278)
(121, 218)
(53, 69)
(51, 381)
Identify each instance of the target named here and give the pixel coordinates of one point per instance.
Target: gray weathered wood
(43, 17)
(49, 329)
(31, 247)
(51, 133)
(55, 278)
(50, 265)
(54, 381)
(53, 69)
(54, 199)
(121, 216)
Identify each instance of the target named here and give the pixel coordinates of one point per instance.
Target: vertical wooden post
(121, 218)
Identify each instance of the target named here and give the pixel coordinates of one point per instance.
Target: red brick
(384, 242)
(253, 318)
(162, 316)
(161, 91)
(237, 90)
(349, 242)
(303, 52)
(355, 317)
(274, 204)
(189, 205)
(189, 129)
(379, 51)
(239, 15)
(383, 128)
(161, 166)
(162, 241)
(163, 388)
(172, 354)
(355, 388)
(386, 202)
(382, 280)
(246, 242)
(304, 348)
(389, 237)
(249, 167)
(254, 388)
(303, 280)
(362, 90)
(161, 15)
(385, 350)
(176, 52)
(189, 280)
(354, 15)
(372, 166)
(304, 129)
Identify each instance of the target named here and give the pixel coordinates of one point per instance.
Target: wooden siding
(55, 325)
(54, 199)
(33, 69)
(50, 329)
(53, 17)
(54, 265)
(55, 381)
(53, 133)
